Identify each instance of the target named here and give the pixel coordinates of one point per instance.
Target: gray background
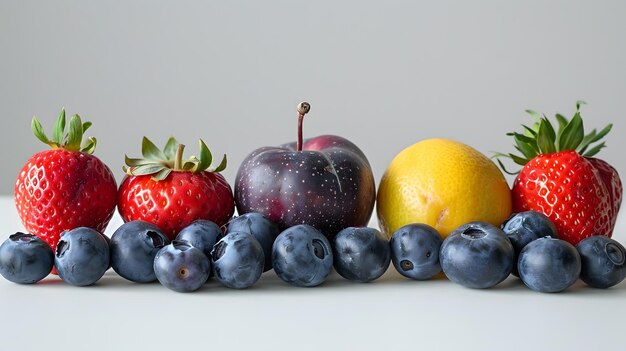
(384, 74)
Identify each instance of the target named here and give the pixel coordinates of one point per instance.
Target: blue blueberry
(25, 259)
(549, 265)
(82, 256)
(301, 255)
(108, 240)
(201, 234)
(524, 227)
(415, 251)
(477, 255)
(237, 260)
(603, 261)
(361, 254)
(264, 230)
(181, 267)
(133, 247)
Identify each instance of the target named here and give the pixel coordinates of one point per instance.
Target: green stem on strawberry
(303, 108)
(160, 163)
(69, 138)
(542, 138)
(178, 161)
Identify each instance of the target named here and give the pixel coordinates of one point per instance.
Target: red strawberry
(560, 178)
(611, 180)
(171, 193)
(66, 187)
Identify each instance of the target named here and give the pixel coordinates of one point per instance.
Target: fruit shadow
(272, 284)
(112, 280)
(515, 285)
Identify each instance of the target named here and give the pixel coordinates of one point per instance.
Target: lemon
(444, 184)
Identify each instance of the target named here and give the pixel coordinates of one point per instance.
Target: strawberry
(560, 177)
(65, 187)
(611, 180)
(170, 193)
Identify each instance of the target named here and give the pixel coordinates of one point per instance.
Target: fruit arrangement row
(475, 255)
(323, 187)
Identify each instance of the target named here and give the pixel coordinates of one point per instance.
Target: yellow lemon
(442, 183)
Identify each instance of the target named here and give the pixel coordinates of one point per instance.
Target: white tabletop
(389, 313)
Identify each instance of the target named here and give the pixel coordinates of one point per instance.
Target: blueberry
(201, 234)
(133, 247)
(524, 227)
(477, 255)
(301, 255)
(549, 265)
(25, 259)
(415, 251)
(181, 267)
(264, 230)
(603, 261)
(361, 254)
(108, 240)
(237, 260)
(82, 256)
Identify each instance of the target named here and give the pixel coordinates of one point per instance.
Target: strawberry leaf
(150, 151)
(162, 174)
(189, 166)
(75, 134)
(170, 148)
(147, 169)
(545, 138)
(59, 128)
(602, 133)
(525, 149)
(134, 162)
(595, 150)
(536, 117)
(504, 168)
(572, 135)
(529, 132)
(38, 131)
(90, 146)
(586, 141)
(519, 160)
(221, 166)
(205, 157)
(523, 138)
(550, 130)
(86, 125)
(562, 121)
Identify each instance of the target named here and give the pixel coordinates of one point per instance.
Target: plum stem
(303, 108)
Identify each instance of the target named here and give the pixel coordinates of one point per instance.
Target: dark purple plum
(181, 267)
(25, 259)
(361, 254)
(549, 265)
(326, 182)
(264, 230)
(603, 261)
